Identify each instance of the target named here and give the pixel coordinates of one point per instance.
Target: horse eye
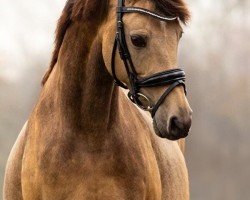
(139, 40)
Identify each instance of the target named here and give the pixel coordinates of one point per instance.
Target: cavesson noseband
(173, 78)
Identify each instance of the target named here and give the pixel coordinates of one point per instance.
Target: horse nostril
(179, 127)
(174, 126)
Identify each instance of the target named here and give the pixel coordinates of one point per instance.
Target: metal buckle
(144, 103)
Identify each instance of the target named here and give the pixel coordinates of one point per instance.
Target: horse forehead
(163, 27)
(169, 29)
(145, 3)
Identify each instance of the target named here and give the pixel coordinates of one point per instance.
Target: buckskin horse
(85, 139)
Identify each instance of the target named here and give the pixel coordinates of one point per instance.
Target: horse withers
(85, 139)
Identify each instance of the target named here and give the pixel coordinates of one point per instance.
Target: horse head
(147, 35)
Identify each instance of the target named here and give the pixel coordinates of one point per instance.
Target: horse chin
(163, 133)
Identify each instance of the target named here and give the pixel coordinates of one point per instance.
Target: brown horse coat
(84, 139)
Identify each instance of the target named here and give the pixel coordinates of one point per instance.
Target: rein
(172, 78)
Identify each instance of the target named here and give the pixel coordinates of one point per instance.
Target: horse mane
(83, 9)
(74, 10)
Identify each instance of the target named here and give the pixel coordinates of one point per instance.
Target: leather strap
(165, 94)
(162, 78)
(144, 11)
(116, 80)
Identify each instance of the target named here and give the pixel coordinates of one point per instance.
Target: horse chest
(120, 172)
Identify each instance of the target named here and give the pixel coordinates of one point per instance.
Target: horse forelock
(174, 8)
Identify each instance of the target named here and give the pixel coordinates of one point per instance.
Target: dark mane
(83, 9)
(74, 10)
(174, 8)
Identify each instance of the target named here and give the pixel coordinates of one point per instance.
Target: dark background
(215, 55)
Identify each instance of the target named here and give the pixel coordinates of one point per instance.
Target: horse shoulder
(12, 181)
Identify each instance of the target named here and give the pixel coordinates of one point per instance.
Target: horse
(85, 139)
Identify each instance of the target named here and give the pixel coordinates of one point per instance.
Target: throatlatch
(172, 78)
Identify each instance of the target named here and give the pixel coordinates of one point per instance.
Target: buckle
(141, 101)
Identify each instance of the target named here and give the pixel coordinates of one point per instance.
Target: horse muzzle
(175, 128)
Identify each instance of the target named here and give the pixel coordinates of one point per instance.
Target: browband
(144, 11)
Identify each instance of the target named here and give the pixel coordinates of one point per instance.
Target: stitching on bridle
(145, 11)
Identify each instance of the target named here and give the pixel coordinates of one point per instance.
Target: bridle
(173, 78)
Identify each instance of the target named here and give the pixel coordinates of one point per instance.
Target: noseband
(172, 78)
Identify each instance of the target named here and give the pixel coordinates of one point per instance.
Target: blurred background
(215, 53)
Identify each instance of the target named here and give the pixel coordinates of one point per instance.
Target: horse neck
(85, 94)
(99, 96)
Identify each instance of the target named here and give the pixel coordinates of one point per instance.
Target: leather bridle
(172, 78)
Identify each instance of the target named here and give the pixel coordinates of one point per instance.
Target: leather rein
(172, 78)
